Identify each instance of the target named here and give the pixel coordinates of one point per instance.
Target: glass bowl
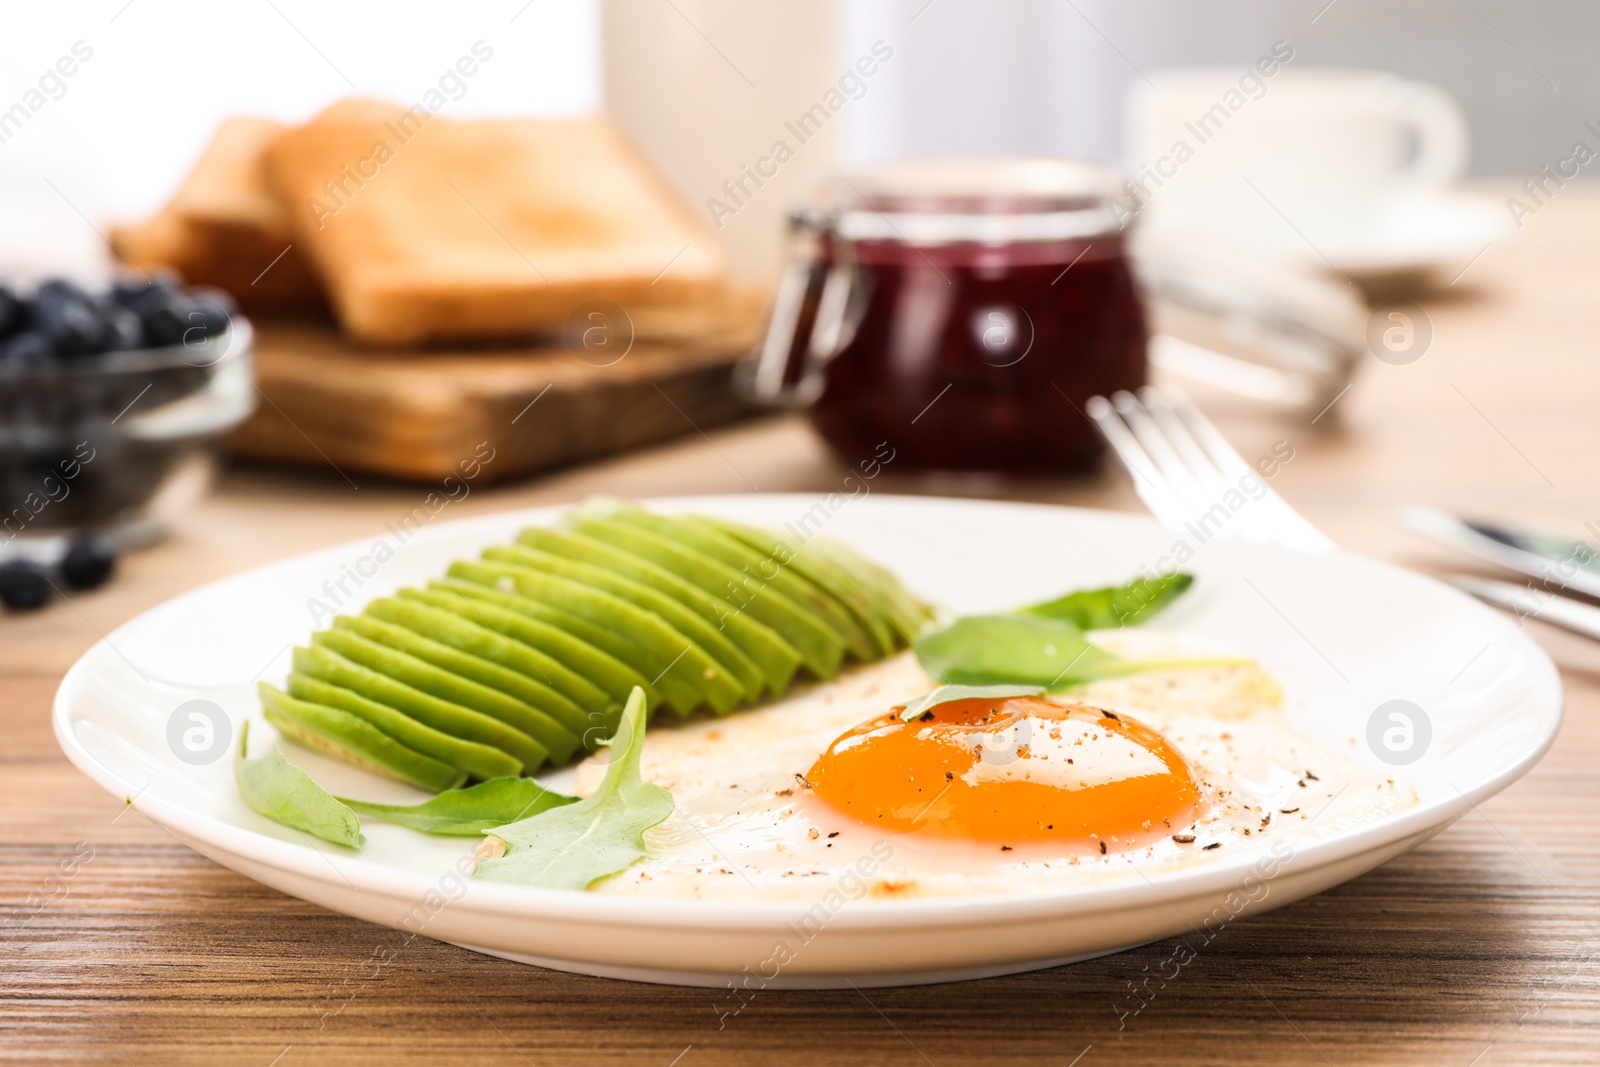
(114, 443)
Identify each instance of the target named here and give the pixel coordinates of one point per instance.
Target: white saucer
(1405, 234)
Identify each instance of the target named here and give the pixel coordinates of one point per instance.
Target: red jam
(981, 357)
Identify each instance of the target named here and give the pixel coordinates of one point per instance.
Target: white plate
(1342, 633)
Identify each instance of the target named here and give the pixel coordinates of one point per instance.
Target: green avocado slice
(671, 653)
(556, 710)
(731, 662)
(905, 612)
(354, 740)
(324, 663)
(531, 636)
(481, 639)
(819, 570)
(820, 646)
(791, 582)
(664, 686)
(406, 666)
(776, 658)
(480, 761)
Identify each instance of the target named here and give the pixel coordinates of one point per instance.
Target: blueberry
(143, 295)
(60, 290)
(213, 313)
(88, 563)
(28, 350)
(123, 330)
(72, 327)
(186, 320)
(128, 291)
(12, 312)
(23, 584)
(164, 322)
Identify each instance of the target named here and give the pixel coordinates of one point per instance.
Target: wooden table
(1480, 948)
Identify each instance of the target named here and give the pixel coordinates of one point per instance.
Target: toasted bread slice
(225, 227)
(425, 230)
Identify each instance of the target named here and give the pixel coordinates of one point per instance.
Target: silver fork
(1190, 477)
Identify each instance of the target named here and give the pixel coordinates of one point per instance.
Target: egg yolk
(1011, 770)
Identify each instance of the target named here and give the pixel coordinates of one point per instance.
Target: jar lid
(999, 201)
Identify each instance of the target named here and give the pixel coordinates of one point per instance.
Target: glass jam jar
(961, 312)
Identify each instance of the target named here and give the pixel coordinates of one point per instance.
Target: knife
(1558, 562)
(1526, 602)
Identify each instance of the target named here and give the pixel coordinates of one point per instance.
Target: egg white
(746, 829)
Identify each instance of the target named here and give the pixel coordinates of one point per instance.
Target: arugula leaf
(1117, 605)
(1029, 650)
(946, 693)
(284, 793)
(576, 845)
(468, 812)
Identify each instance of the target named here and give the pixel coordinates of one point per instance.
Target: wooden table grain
(1480, 948)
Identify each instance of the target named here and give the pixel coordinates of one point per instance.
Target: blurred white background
(968, 76)
(994, 76)
(134, 116)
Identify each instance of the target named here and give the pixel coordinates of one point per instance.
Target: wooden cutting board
(420, 415)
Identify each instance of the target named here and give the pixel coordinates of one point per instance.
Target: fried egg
(1022, 769)
(1116, 781)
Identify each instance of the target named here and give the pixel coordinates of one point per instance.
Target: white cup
(1323, 149)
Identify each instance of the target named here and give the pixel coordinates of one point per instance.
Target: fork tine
(1181, 467)
(1278, 521)
(1155, 443)
(1152, 487)
(1180, 436)
(1226, 458)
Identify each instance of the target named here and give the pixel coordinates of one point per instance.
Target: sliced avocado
(665, 684)
(692, 531)
(671, 653)
(776, 658)
(820, 646)
(905, 612)
(354, 740)
(324, 663)
(480, 761)
(612, 676)
(862, 643)
(731, 662)
(821, 572)
(680, 655)
(519, 687)
(704, 584)
(446, 684)
(528, 653)
(481, 639)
